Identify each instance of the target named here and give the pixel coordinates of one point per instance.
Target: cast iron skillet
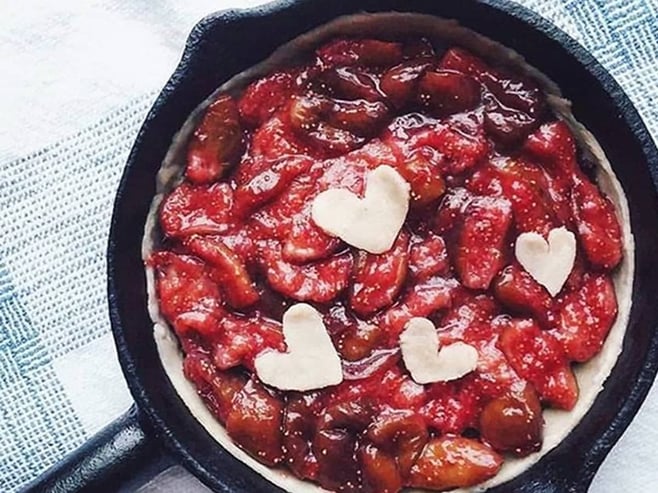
(225, 43)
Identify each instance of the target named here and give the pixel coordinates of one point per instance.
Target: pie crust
(591, 376)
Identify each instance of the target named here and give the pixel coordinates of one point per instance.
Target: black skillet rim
(603, 442)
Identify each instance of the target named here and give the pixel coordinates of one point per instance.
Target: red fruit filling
(485, 160)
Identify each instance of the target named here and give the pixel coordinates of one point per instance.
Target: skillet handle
(121, 456)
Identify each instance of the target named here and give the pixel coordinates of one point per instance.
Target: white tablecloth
(76, 80)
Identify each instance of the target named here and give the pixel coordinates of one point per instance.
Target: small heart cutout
(420, 351)
(311, 361)
(548, 262)
(371, 223)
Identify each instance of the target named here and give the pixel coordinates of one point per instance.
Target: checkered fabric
(59, 380)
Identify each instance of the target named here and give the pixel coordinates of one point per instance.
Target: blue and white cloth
(76, 80)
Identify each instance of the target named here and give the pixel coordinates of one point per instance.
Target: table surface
(77, 80)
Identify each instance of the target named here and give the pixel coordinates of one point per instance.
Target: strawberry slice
(269, 183)
(552, 189)
(338, 469)
(454, 144)
(378, 278)
(197, 209)
(464, 62)
(275, 219)
(354, 338)
(333, 128)
(428, 257)
(575, 279)
(461, 150)
(243, 338)
(494, 375)
(319, 281)
(553, 144)
(400, 82)
(360, 117)
(480, 246)
(554, 148)
(532, 209)
(241, 243)
(364, 52)
(424, 178)
(469, 318)
(451, 209)
(585, 317)
(255, 423)
(517, 290)
(216, 143)
(349, 171)
(452, 406)
(446, 92)
(329, 141)
(454, 462)
(505, 125)
(217, 387)
(276, 138)
(356, 393)
(335, 442)
(539, 358)
(400, 391)
(525, 187)
(228, 270)
(598, 228)
(514, 105)
(471, 321)
(188, 298)
(379, 469)
(420, 300)
(299, 423)
(389, 385)
(306, 241)
(349, 83)
(513, 422)
(487, 179)
(264, 96)
(512, 91)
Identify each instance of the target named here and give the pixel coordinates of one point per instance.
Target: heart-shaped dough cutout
(371, 223)
(311, 361)
(548, 262)
(420, 351)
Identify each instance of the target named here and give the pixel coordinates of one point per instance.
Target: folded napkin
(77, 80)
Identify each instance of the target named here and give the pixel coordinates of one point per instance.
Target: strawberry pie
(383, 264)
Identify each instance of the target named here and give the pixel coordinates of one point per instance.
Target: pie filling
(486, 163)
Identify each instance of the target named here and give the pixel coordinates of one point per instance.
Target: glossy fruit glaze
(486, 160)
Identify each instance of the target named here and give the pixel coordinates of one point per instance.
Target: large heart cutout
(420, 351)
(371, 223)
(548, 262)
(311, 361)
